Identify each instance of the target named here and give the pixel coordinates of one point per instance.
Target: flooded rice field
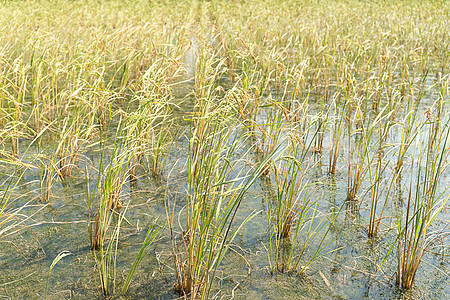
(218, 150)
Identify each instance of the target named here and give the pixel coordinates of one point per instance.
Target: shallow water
(351, 272)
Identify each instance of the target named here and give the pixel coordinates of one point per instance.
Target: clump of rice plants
(214, 191)
(423, 202)
(213, 197)
(295, 221)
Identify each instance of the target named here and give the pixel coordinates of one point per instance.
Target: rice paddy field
(224, 149)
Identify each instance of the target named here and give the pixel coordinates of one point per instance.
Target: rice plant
(213, 195)
(55, 261)
(295, 221)
(11, 218)
(152, 234)
(423, 203)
